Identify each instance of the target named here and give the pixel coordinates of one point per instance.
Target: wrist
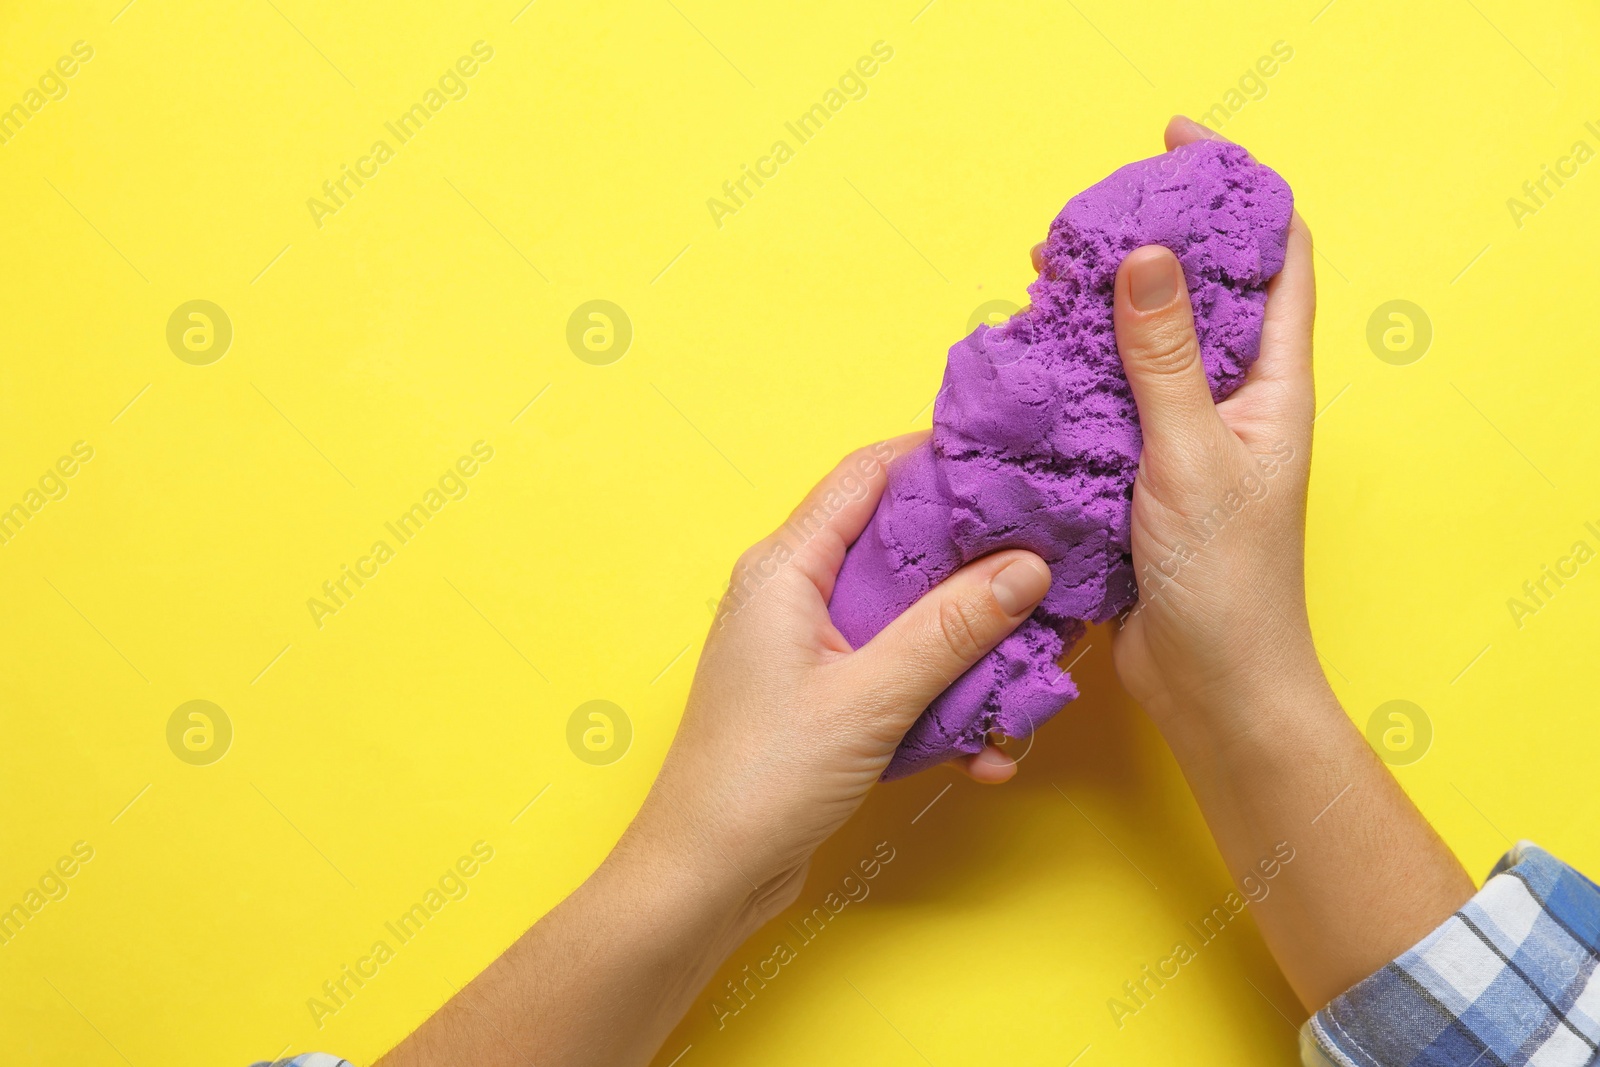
(1273, 702)
(692, 873)
(674, 914)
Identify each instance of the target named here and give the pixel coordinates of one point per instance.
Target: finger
(1181, 130)
(1160, 353)
(1036, 254)
(1291, 311)
(1277, 397)
(828, 521)
(918, 655)
(988, 767)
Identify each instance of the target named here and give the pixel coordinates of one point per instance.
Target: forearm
(604, 977)
(785, 731)
(1284, 769)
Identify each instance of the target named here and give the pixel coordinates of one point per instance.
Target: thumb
(955, 624)
(1160, 353)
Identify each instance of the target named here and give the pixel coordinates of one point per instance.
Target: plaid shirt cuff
(1507, 981)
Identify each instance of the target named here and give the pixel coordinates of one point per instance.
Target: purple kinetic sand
(1036, 441)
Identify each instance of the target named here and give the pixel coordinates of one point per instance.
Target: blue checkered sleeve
(306, 1059)
(1507, 981)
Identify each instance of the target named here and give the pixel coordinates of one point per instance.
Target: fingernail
(1019, 586)
(1153, 281)
(993, 758)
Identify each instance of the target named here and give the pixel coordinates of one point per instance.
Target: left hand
(786, 727)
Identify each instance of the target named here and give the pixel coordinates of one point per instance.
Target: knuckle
(748, 560)
(1170, 351)
(865, 461)
(961, 624)
(858, 457)
(1300, 223)
(756, 566)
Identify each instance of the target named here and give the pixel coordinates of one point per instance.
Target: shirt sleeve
(306, 1059)
(1507, 981)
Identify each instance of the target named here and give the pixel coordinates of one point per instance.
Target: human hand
(786, 728)
(1218, 649)
(1219, 503)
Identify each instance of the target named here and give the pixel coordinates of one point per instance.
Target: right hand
(1218, 523)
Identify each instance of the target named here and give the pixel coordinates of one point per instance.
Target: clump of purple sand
(1036, 440)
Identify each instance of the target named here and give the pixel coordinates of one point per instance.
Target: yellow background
(373, 351)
